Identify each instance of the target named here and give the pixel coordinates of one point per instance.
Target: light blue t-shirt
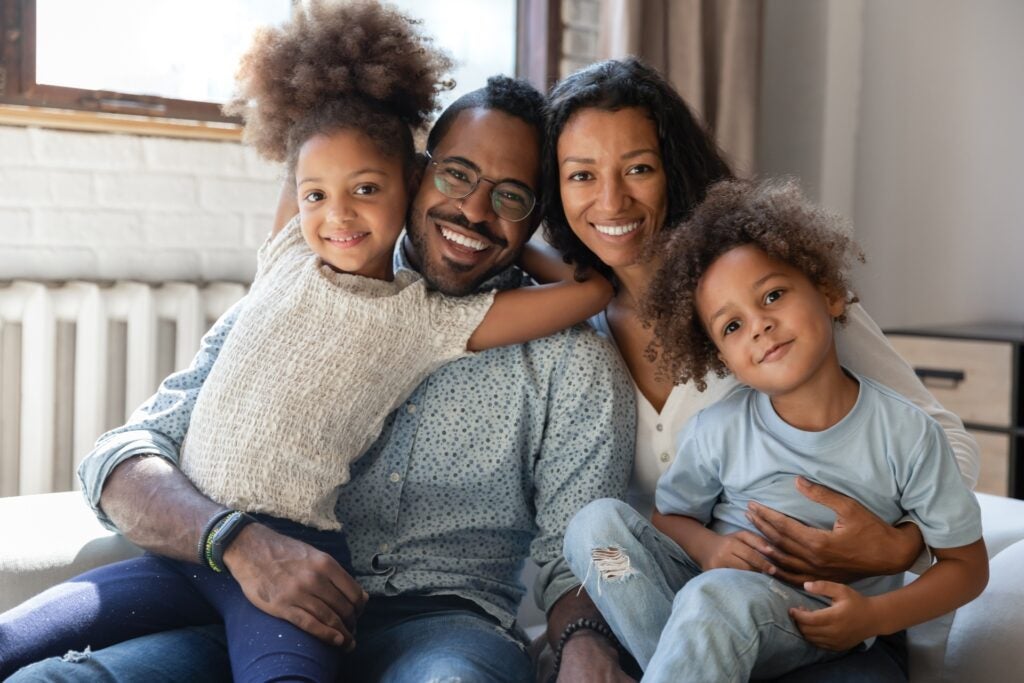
(886, 453)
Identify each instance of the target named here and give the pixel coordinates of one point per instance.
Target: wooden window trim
(19, 89)
(24, 102)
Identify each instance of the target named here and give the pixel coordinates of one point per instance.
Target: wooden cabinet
(976, 372)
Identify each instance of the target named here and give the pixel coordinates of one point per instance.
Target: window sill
(66, 119)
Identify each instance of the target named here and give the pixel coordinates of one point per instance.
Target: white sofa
(45, 539)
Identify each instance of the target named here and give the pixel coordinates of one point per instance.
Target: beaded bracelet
(579, 625)
(204, 537)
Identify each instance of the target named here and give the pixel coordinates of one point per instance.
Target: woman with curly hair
(330, 340)
(754, 285)
(630, 162)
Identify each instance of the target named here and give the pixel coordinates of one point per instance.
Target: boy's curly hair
(358, 65)
(772, 215)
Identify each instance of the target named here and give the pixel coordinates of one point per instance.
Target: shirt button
(664, 456)
(659, 427)
(384, 547)
(411, 408)
(395, 477)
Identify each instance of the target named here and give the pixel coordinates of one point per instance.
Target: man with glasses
(480, 469)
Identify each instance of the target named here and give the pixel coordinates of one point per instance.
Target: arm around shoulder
(527, 313)
(864, 349)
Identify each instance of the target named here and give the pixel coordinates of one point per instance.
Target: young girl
(329, 342)
(753, 284)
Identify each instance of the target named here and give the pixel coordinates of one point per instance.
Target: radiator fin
(77, 358)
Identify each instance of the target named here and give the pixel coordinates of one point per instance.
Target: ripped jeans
(680, 623)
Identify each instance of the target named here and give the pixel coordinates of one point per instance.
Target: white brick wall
(106, 206)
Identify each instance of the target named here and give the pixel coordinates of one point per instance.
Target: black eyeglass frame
(495, 201)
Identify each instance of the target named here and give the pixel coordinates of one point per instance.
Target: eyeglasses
(455, 179)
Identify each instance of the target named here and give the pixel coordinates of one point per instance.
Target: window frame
(23, 101)
(18, 84)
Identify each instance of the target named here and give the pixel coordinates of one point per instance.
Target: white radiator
(77, 358)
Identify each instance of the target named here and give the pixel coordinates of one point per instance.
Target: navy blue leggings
(149, 594)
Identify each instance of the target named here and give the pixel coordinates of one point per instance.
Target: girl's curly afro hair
(334, 65)
(772, 215)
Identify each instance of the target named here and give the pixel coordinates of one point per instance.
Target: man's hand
(741, 550)
(296, 582)
(860, 544)
(847, 622)
(588, 657)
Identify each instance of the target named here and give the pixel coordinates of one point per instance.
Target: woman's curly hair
(772, 215)
(691, 159)
(358, 65)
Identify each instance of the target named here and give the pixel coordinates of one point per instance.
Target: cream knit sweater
(312, 367)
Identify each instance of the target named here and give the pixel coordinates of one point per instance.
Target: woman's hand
(841, 626)
(860, 543)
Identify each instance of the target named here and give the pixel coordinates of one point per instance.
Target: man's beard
(444, 275)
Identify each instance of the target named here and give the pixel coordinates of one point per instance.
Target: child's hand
(843, 625)
(741, 550)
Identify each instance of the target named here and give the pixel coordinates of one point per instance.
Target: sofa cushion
(986, 641)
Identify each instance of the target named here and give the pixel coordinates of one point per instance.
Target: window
(124, 57)
(175, 61)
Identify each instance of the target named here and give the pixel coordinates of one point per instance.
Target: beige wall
(906, 116)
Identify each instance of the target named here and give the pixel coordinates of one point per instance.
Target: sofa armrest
(981, 641)
(47, 538)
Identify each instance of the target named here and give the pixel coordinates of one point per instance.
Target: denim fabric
(149, 594)
(399, 641)
(680, 623)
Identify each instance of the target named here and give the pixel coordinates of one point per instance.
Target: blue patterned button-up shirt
(483, 466)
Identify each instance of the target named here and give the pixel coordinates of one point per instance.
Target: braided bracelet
(222, 536)
(579, 625)
(204, 537)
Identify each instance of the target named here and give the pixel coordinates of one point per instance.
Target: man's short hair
(512, 96)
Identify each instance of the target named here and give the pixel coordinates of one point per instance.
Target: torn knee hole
(74, 656)
(612, 563)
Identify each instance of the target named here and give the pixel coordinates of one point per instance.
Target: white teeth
(347, 238)
(617, 229)
(459, 238)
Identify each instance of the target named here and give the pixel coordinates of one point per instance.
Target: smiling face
(352, 202)
(460, 243)
(771, 324)
(612, 182)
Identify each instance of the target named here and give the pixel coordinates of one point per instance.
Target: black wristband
(204, 537)
(574, 627)
(222, 536)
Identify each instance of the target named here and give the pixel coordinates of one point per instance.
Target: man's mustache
(458, 219)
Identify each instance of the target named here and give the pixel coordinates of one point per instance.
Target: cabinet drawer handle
(946, 379)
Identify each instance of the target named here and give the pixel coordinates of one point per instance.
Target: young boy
(753, 285)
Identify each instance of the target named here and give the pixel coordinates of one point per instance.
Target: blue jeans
(682, 624)
(400, 639)
(151, 594)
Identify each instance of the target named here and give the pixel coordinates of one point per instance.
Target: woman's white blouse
(862, 348)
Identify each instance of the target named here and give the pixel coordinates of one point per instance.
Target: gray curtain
(711, 52)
